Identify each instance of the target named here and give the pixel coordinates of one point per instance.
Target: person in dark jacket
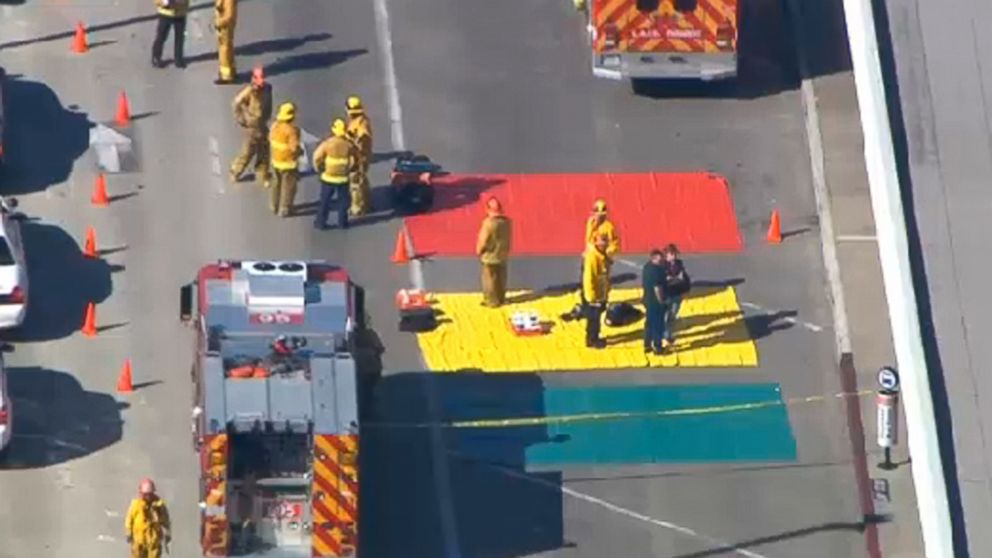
(677, 285)
(653, 285)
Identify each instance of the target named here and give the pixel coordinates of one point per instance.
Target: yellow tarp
(710, 332)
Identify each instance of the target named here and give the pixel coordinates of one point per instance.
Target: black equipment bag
(622, 314)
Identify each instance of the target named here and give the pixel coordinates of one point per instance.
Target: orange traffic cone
(400, 253)
(89, 323)
(100, 198)
(123, 110)
(125, 382)
(775, 229)
(79, 45)
(90, 250)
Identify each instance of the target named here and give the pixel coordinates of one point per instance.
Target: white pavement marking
(828, 242)
(442, 476)
(628, 263)
(53, 441)
(105, 538)
(787, 319)
(112, 513)
(723, 545)
(385, 39)
(856, 238)
(214, 147)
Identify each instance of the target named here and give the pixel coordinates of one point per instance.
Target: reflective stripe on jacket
(360, 132)
(336, 155)
(172, 8)
(147, 522)
(284, 139)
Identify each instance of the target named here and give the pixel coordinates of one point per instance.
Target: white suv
(13, 267)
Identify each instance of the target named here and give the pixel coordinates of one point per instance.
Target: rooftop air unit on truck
(664, 39)
(275, 407)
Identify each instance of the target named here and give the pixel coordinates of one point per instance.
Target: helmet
(147, 486)
(599, 207)
(258, 76)
(493, 205)
(287, 112)
(338, 128)
(354, 104)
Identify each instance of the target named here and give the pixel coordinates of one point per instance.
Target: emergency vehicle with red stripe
(275, 417)
(664, 39)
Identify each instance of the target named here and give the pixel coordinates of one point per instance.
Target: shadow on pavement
(62, 282)
(266, 46)
(788, 535)
(430, 486)
(767, 63)
(68, 34)
(56, 420)
(311, 61)
(42, 138)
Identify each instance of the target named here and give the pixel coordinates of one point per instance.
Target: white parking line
(729, 547)
(788, 319)
(442, 476)
(385, 39)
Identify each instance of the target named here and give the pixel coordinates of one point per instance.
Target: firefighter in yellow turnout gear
(284, 141)
(336, 158)
(147, 525)
(360, 133)
(225, 19)
(252, 111)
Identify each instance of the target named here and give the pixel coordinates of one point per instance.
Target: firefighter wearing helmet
(599, 226)
(492, 246)
(360, 133)
(335, 159)
(284, 141)
(147, 526)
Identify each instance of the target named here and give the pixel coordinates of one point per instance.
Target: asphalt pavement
(485, 87)
(939, 87)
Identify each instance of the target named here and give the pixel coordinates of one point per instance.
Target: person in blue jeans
(676, 285)
(652, 285)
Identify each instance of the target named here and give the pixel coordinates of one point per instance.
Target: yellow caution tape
(590, 417)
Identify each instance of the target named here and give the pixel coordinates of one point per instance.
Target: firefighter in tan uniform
(284, 141)
(360, 133)
(493, 249)
(225, 19)
(337, 156)
(252, 111)
(147, 525)
(597, 226)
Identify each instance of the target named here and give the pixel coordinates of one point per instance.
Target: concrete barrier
(893, 248)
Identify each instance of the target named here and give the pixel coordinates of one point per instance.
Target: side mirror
(6, 348)
(12, 203)
(18, 216)
(186, 303)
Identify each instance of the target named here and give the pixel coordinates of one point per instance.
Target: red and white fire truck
(275, 417)
(664, 39)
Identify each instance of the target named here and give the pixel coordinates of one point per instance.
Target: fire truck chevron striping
(335, 486)
(275, 416)
(694, 39)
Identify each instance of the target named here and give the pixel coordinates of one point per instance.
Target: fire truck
(275, 407)
(664, 39)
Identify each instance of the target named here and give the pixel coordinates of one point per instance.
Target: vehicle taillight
(3, 417)
(611, 36)
(725, 37)
(16, 296)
